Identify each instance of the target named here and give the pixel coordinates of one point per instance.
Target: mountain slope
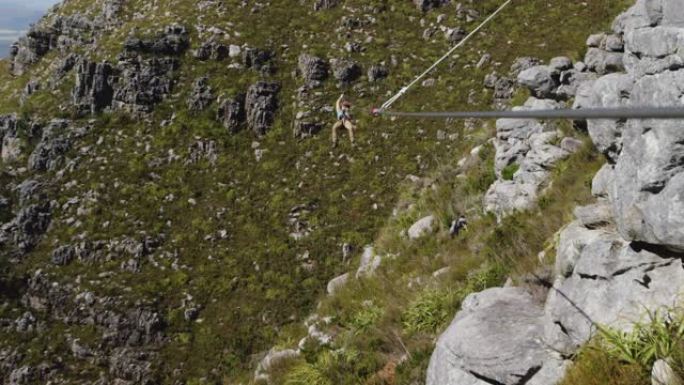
(150, 242)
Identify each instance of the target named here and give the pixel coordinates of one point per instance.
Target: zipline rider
(344, 119)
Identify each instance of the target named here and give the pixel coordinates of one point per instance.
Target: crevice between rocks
(594, 277)
(562, 327)
(645, 281)
(527, 376)
(659, 250)
(485, 378)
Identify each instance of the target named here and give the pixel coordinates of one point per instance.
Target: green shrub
(510, 170)
(366, 317)
(488, 275)
(429, 311)
(306, 374)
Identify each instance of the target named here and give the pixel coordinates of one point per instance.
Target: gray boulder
(346, 71)
(312, 68)
(320, 5)
(613, 283)
(26, 229)
(595, 215)
(111, 10)
(426, 5)
(503, 86)
(647, 13)
(571, 241)
(258, 59)
(305, 125)
(94, 90)
(63, 255)
(527, 143)
(571, 145)
(174, 40)
(523, 63)
(370, 261)
(231, 112)
(571, 81)
(39, 40)
(261, 104)
(455, 35)
(654, 50)
(663, 374)
(603, 62)
(494, 340)
(143, 83)
(561, 63)
(596, 40)
(422, 227)
(25, 323)
(212, 50)
(602, 181)
(201, 96)
(506, 197)
(608, 91)
(649, 172)
(377, 72)
(30, 190)
(131, 366)
(23, 376)
(337, 283)
(541, 80)
(272, 359)
(49, 153)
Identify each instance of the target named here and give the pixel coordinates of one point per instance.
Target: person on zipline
(344, 119)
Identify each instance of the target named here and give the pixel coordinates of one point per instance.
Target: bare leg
(350, 127)
(335, 127)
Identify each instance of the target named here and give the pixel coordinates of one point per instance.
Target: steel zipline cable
(401, 92)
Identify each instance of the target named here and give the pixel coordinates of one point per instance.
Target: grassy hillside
(222, 225)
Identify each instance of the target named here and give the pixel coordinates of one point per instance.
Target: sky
(15, 18)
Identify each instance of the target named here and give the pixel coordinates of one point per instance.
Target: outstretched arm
(337, 104)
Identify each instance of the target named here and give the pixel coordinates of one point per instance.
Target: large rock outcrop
(261, 104)
(525, 148)
(94, 86)
(174, 40)
(144, 83)
(494, 338)
(622, 256)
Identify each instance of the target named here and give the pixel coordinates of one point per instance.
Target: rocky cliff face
(622, 255)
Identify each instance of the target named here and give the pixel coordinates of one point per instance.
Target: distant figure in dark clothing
(457, 225)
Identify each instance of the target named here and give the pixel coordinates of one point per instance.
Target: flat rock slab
(494, 339)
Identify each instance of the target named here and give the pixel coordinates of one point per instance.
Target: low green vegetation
(659, 337)
(510, 170)
(422, 283)
(627, 357)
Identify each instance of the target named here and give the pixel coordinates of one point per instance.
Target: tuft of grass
(509, 171)
(306, 374)
(430, 310)
(618, 356)
(594, 366)
(659, 337)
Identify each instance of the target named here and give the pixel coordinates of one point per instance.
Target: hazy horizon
(15, 18)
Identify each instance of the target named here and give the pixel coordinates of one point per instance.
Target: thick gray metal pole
(578, 114)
